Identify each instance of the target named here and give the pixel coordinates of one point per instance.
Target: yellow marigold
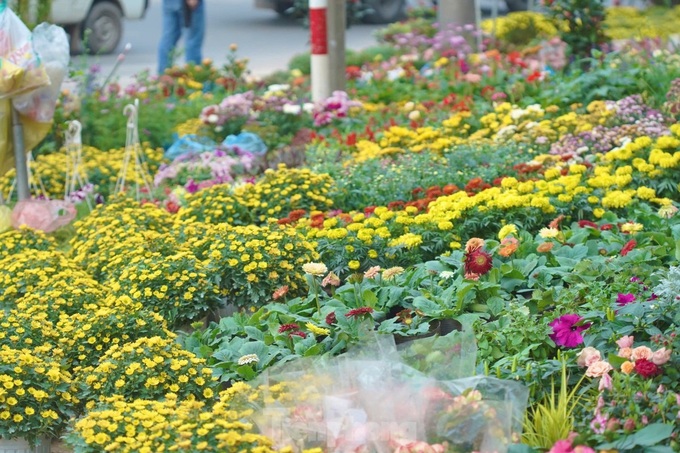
(354, 265)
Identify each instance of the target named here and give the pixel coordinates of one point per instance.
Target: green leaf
(246, 372)
(369, 298)
(254, 333)
(615, 360)
(653, 434)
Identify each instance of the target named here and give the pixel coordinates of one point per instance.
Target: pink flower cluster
(567, 446)
(336, 106)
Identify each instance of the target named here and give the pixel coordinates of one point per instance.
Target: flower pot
(22, 446)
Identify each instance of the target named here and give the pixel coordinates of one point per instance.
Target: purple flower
(624, 299)
(566, 331)
(191, 186)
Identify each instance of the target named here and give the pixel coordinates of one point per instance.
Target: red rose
(646, 368)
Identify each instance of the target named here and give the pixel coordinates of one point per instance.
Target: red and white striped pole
(320, 65)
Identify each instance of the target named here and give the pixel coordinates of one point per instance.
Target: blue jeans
(173, 22)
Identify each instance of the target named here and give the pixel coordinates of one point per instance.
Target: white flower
(317, 269)
(446, 274)
(278, 87)
(308, 107)
(414, 115)
(213, 119)
(292, 109)
(248, 359)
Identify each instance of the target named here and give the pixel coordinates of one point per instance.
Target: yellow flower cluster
(190, 127)
(147, 426)
(16, 241)
(620, 23)
(149, 368)
(253, 261)
(285, 189)
(101, 168)
(85, 337)
(35, 394)
(22, 273)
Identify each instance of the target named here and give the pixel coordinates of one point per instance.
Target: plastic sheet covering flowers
(371, 400)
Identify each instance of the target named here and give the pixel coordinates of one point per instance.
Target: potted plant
(36, 401)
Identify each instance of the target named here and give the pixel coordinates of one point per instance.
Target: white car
(96, 25)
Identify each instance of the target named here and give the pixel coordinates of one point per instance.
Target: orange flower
(474, 244)
(556, 221)
(508, 246)
(280, 292)
(545, 247)
(627, 367)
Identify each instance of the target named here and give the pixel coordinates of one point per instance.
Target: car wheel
(517, 5)
(103, 27)
(282, 6)
(384, 11)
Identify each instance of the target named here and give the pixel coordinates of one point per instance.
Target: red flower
(297, 333)
(646, 368)
(606, 227)
(587, 223)
(355, 313)
(287, 327)
(330, 318)
(567, 330)
(630, 245)
(478, 262)
(536, 75)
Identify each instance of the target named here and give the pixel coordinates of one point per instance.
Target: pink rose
(625, 353)
(598, 369)
(625, 342)
(641, 352)
(588, 356)
(605, 382)
(661, 356)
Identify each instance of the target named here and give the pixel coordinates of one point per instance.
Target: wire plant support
(133, 152)
(75, 180)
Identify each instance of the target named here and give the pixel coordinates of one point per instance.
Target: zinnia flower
(478, 262)
(316, 269)
(330, 279)
(319, 331)
(667, 211)
(280, 292)
(549, 233)
(545, 247)
(624, 299)
(508, 246)
(473, 244)
(566, 331)
(506, 231)
(587, 223)
(631, 227)
(646, 368)
(391, 272)
(630, 245)
(372, 272)
(287, 327)
(330, 318)
(297, 333)
(248, 359)
(357, 312)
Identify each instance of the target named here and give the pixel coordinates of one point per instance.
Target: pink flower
(598, 369)
(626, 353)
(605, 382)
(625, 299)
(567, 331)
(415, 446)
(661, 356)
(641, 352)
(587, 357)
(626, 342)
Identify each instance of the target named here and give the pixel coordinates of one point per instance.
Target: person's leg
(172, 31)
(194, 37)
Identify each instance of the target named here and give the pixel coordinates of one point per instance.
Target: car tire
(103, 27)
(517, 5)
(385, 11)
(282, 6)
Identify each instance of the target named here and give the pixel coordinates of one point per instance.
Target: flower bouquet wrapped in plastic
(44, 215)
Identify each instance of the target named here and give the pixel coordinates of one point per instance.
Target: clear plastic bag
(16, 49)
(51, 45)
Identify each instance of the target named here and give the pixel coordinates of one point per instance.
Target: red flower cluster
(357, 312)
(647, 368)
(476, 185)
(331, 319)
(286, 327)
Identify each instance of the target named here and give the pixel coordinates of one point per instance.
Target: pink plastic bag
(45, 215)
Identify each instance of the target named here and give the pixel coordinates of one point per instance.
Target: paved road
(268, 40)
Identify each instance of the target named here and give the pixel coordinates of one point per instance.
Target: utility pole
(337, 23)
(458, 12)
